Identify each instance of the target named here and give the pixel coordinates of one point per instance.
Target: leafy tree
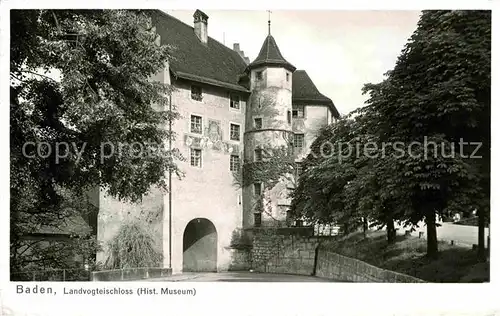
(440, 89)
(438, 93)
(81, 84)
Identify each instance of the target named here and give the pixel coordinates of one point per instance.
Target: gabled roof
(212, 63)
(304, 91)
(270, 55)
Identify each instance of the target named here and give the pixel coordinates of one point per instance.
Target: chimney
(236, 48)
(201, 26)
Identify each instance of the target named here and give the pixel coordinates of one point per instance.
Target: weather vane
(269, 21)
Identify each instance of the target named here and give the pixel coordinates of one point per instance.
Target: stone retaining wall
(130, 274)
(280, 252)
(334, 266)
(285, 254)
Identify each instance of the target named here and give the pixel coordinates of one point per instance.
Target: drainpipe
(170, 187)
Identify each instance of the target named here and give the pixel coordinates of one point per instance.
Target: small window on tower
(298, 140)
(258, 154)
(258, 123)
(289, 117)
(257, 188)
(258, 75)
(287, 77)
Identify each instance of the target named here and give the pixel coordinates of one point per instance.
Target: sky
(340, 50)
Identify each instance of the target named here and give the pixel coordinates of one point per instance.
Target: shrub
(133, 247)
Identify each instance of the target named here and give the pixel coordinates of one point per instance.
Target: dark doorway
(200, 246)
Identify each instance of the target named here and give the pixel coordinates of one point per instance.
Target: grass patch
(408, 256)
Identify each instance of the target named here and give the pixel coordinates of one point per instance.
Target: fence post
(64, 274)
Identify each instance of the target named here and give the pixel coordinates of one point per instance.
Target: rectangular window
(196, 124)
(234, 102)
(298, 112)
(234, 132)
(196, 157)
(258, 154)
(289, 117)
(298, 169)
(258, 75)
(258, 122)
(287, 77)
(196, 93)
(234, 163)
(257, 188)
(298, 140)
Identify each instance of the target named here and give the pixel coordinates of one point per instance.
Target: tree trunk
(365, 226)
(346, 229)
(391, 231)
(481, 253)
(432, 244)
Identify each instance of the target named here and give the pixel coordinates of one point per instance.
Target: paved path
(461, 234)
(239, 277)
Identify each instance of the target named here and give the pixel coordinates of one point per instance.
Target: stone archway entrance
(199, 246)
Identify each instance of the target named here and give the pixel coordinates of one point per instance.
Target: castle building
(230, 109)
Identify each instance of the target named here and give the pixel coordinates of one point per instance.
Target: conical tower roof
(270, 55)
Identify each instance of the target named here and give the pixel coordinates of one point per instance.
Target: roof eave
(313, 101)
(208, 81)
(258, 64)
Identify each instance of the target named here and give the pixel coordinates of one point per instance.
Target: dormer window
(196, 93)
(258, 75)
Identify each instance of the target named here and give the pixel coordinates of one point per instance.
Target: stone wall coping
(357, 261)
(130, 274)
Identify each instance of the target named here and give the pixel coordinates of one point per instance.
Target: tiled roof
(216, 64)
(212, 63)
(304, 91)
(270, 55)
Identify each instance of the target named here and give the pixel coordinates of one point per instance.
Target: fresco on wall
(211, 139)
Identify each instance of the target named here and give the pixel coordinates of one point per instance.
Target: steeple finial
(269, 22)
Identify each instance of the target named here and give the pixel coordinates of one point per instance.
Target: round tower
(268, 126)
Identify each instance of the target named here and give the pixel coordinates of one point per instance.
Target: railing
(326, 230)
(52, 275)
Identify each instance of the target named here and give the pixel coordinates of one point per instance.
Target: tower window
(287, 77)
(258, 154)
(257, 188)
(258, 75)
(258, 123)
(298, 112)
(234, 102)
(234, 132)
(196, 124)
(196, 93)
(195, 157)
(298, 140)
(298, 169)
(289, 117)
(234, 163)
